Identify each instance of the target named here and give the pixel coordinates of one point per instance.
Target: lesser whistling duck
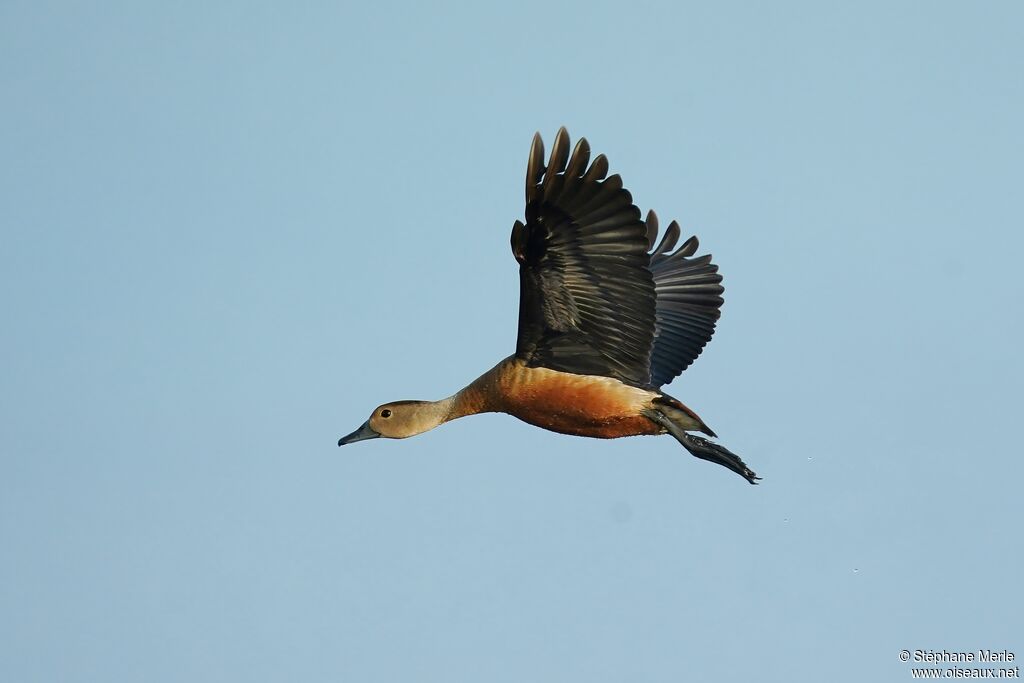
(605, 318)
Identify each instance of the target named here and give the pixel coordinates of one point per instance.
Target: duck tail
(681, 415)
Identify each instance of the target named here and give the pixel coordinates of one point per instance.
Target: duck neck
(471, 400)
(431, 414)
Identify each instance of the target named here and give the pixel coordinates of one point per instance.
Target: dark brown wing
(689, 296)
(586, 301)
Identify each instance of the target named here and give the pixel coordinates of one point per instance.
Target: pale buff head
(400, 420)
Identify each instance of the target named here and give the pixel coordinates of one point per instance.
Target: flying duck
(605, 318)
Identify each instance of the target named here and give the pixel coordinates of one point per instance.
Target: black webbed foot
(712, 452)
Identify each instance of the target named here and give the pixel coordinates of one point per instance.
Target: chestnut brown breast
(581, 405)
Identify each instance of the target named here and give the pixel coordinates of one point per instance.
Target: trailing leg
(702, 448)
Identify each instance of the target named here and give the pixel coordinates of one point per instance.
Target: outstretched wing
(586, 301)
(689, 296)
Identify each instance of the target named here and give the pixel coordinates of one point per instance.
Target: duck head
(400, 420)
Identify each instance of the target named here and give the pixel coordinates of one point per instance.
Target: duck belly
(580, 405)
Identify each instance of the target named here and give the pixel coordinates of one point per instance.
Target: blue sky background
(229, 230)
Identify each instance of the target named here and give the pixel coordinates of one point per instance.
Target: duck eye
(385, 413)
